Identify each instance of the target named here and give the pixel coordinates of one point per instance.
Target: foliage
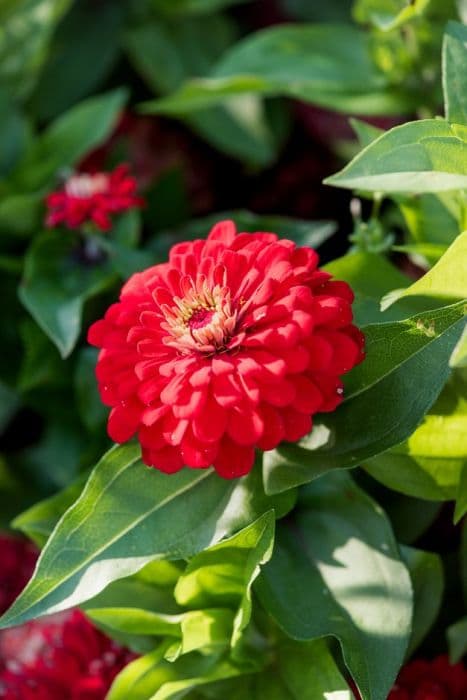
(289, 582)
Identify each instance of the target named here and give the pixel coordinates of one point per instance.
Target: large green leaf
(329, 65)
(129, 515)
(386, 397)
(426, 574)
(69, 138)
(336, 571)
(455, 72)
(429, 155)
(429, 464)
(300, 671)
(55, 285)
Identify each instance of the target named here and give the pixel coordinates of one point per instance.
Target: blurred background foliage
(222, 108)
(218, 106)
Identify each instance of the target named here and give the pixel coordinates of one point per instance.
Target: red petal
(233, 460)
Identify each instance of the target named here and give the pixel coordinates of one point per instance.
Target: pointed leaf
(337, 571)
(55, 286)
(129, 515)
(295, 61)
(429, 155)
(387, 396)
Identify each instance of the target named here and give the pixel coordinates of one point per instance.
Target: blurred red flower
(233, 344)
(17, 560)
(92, 197)
(431, 680)
(60, 658)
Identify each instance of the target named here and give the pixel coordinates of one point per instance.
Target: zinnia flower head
(232, 345)
(92, 198)
(63, 657)
(431, 680)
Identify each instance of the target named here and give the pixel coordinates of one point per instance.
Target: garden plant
(233, 377)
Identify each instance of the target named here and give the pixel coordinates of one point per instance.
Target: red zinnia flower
(93, 198)
(61, 658)
(431, 680)
(233, 344)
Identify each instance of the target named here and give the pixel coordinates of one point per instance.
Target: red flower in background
(17, 561)
(431, 680)
(230, 346)
(93, 197)
(60, 658)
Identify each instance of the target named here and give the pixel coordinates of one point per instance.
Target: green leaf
(457, 640)
(461, 496)
(429, 155)
(366, 133)
(447, 280)
(459, 354)
(69, 138)
(387, 15)
(371, 276)
(9, 401)
(188, 47)
(430, 463)
(336, 571)
(386, 397)
(301, 671)
(224, 574)
(329, 65)
(38, 521)
(186, 7)
(197, 629)
(88, 549)
(14, 133)
(91, 410)
(25, 30)
(92, 32)
(41, 363)
(426, 573)
(432, 219)
(455, 72)
(20, 214)
(153, 678)
(55, 285)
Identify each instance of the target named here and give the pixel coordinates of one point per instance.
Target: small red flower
(230, 346)
(92, 198)
(60, 658)
(17, 561)
(431, 680)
